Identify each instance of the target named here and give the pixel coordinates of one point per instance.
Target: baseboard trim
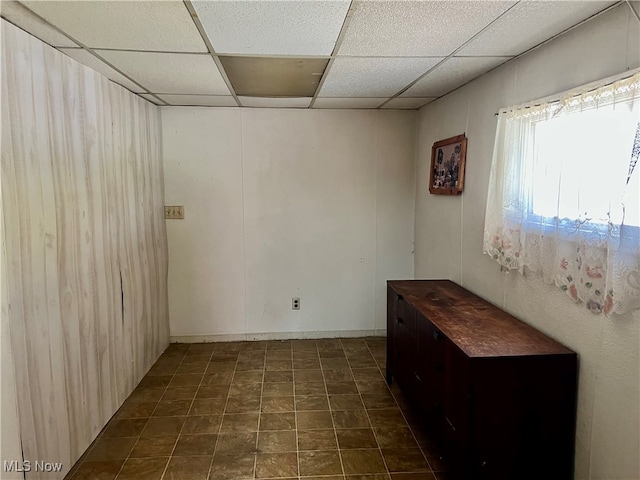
(242, 337)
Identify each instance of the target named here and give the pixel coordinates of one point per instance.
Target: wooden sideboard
(497, 394)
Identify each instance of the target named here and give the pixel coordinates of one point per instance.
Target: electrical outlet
(295, 303)
(174, 212)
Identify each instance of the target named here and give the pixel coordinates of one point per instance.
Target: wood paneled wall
(82, 198)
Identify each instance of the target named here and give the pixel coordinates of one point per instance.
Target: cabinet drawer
(392, 300)
(406, 315)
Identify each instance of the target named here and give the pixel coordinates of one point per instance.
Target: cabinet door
(405, 347)
(457, 397)
(430, 365)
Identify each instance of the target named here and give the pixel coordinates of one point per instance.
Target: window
(564, 194)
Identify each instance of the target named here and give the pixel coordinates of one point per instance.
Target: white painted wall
(286, 203)
(449, 233)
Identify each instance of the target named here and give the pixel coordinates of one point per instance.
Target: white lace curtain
(564, 196)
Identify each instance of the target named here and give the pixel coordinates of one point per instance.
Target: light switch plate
(174, 212)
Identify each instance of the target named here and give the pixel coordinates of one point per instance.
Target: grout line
(295, 409)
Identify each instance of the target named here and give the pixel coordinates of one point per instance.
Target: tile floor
(294, 409)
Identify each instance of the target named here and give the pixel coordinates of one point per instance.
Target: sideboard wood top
(479, 328)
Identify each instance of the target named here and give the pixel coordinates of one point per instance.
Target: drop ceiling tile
(407, 103)
(170, 72)
(451, 74)
(528, 24)
(265, 102)
(416, 28)
(272, 27)
(200, 100)
(348, 102)
(128, 25)
(98, 65)
(274, 77)
(27, 21)
(373, 77)
(151, 98)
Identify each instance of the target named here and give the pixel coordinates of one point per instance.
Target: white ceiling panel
(200, 100)
(528, 24)
(407, 103)
(272, 27)
(373, 77)
(128, 25)
(93, 62)
(265, 102)
(151, 98)
(416, 28)
(451, 74)
(27, 21)
(173, 73)
(348, 102)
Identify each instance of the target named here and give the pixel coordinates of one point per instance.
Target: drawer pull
(417, 377)
(449, 422)
(437, 335)
(399, 320)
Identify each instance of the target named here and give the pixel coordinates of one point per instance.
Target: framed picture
(447, 166)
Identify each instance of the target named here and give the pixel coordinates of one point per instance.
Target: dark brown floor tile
(146, 395)
(362, 362)
(134, 409)
(405, 460)
(306, 363)
(367, 373)
(202, 424)
(277, 404)
(351, 419)
(331, 353)
(166, 369)
(356, 438)
(188, 468)
(346, 402)
(111, 449)
(131, 427)
(375, 476)
(413, 476)
(200, 348)
(281, 376)
(232, 467)
(341, 388)
(317, 440)
(221, 367)
(251, 389)
(252, 364)
(379, 400)
(224, 357)
(314, 420)
(163, 426)
(319, 463)
(308, 376)
(201, 444)
(98, 470)
(312, 403)
(282, 441)
(334, 363)
(277, 389)
(186, 379)
(362, 461)
(239, 422)
(161, 446)
(308, 389)
(154, 381)
(180, 393)
(249, 376)
(143, 468)
(387, 417)
(278, 365)
(278, 345)
(217, 391)
(329, 343)
(395, 437)
(270, 465)
(278, 355)
(372, 386)
(207, 406)
(220, 378)
(277, 421)
(199, 367)
(172, 408)
(332, 376)
(240, 443)
(242, 404)
(199, 358)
